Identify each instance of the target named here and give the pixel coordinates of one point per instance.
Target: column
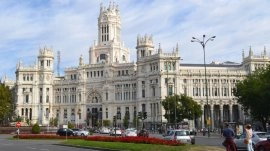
(221, 113)
(230, 112)
(212, 115)
(203, 120)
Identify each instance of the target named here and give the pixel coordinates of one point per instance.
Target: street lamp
(203, 43)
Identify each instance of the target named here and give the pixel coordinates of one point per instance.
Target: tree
(36, 129)
(184, 106)
(253, 93)
(126, 120)
(54, 121)
(136, 121)
(5, 103)
(71, 125)
(106, 123)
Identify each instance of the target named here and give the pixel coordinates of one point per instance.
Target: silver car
(82, 132)
(182, 135)
(256, 137)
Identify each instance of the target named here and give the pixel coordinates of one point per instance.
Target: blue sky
(70, 26)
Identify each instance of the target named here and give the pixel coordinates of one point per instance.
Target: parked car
(104, 130)
(143, 133)
(64, 132)
(75, 130)
(263, 145)
(256, 137)
(82, 132)
(131, 132)
(115, 131)
(182, 135)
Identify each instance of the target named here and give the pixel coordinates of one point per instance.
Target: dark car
(263, 145)
(143, 133)
(64, 132)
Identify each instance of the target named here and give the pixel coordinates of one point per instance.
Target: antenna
(58, 63)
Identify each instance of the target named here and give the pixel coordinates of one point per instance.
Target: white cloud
(71, 27)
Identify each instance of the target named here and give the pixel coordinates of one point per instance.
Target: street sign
(18, 124)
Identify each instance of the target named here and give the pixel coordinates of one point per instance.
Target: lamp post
(203, 43)
(167, 83)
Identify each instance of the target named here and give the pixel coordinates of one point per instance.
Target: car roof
(258, 132)
(180, 130)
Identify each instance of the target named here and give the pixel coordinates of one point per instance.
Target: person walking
(248, 130)
(229, 135)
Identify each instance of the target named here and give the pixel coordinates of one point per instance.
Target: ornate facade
(109, 84)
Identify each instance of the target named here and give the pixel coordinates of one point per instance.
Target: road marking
(33, 148)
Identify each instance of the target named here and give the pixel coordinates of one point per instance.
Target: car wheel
(261, 148)
(82, 134)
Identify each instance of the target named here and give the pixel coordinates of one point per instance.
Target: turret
(144, 46)
(109, 24)
(250, 51)
(45, 59)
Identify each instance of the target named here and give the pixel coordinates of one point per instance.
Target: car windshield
(179, 133)
(262, 135)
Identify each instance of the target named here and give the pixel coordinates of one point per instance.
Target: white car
(104, 130)
(256, 137)
(82, 132)
(131, 132)
(181, 135)
(115, 131)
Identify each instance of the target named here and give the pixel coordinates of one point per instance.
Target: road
(213, 140)
(34, 145)
(53, 145)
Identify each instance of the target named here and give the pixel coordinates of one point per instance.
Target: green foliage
(54, 121)
(5, 102)
(71, 125)
(184, 107)
(18, 119)
(126, 121)
(36, 129)
(28, 121)
(136, 122)
(253, 93)
(106, 123)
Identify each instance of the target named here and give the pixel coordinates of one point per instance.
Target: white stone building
(109, 83)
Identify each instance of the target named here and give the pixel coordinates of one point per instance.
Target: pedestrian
(248, 130)
(229, 135)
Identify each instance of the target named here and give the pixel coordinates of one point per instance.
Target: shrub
(36, 129)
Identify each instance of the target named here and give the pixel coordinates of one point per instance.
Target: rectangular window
(143, 107)
(170, 90)
(143, 93)
(26, 98)
(47, 99)
(154, 91)
(40, 99)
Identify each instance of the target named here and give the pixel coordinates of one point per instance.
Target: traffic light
(139, 115)
(144, 115)
(114, 118)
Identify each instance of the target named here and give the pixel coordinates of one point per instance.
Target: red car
(263, 145)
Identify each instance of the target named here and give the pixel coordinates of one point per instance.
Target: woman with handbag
(248, 140)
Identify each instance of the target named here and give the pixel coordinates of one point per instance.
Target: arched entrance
(94, 109)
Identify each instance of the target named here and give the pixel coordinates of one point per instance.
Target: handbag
(246, 141)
